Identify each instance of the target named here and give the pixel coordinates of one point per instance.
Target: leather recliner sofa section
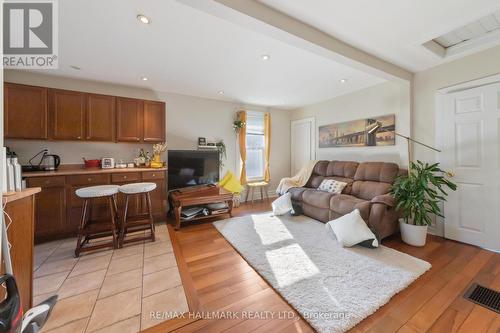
(368, 187)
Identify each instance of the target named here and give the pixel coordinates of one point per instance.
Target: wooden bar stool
(94, 229)
(138, 222)
(262, 186)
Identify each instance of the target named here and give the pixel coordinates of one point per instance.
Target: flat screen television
(192, 167)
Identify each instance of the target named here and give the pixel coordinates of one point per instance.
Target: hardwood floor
(219, 279)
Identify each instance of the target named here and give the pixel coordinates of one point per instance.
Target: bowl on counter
(91, 163)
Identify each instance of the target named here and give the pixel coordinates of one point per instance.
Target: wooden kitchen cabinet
(100, 117)
(129, 119)
(50, 209)
(99, 206)
(25, 112)
(59, 209)
(154, 121)
(44, 113)
(158, 197)
(134, 203)
(66, 114)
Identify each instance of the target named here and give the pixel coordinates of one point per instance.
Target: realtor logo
(30, 34)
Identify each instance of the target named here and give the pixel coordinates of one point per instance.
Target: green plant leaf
(418, 194)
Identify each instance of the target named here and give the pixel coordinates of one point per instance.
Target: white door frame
(440, 96)
(312, 121)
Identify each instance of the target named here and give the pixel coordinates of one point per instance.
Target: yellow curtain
(267, 141)
(242, 116)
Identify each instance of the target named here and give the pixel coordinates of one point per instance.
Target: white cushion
(351, 230)
(282, 205)
(97, 191)
(332, 186)
(135, 188)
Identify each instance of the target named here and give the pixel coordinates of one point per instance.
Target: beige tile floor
(108, 290)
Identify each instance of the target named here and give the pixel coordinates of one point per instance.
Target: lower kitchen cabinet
(50, 206)
(134, 204)
(58, 208)
(158, 199)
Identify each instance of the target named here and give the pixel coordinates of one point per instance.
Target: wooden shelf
(201, 217)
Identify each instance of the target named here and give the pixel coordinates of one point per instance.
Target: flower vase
(156, 162)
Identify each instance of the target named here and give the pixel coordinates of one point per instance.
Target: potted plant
(237, 125)
(417, 196)
(221, 148)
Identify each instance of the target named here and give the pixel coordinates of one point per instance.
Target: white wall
(426, 84)
(382, 99)
(188, 118)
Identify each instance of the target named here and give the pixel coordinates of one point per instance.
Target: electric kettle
(50, 162)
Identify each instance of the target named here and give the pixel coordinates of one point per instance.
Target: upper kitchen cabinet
(100, 117)
(154, 121)
(45, 113)
(66, 114)
(129, 119)
(25, 112)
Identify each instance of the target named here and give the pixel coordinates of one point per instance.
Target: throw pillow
(332, 186)
(351, 230)
(282, 205)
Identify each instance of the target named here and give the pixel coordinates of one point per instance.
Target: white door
(470, 125)
(303, 144)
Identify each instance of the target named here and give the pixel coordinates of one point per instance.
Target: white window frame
(257, 114)
(238, 155)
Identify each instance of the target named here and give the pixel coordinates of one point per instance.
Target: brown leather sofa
(368, 186)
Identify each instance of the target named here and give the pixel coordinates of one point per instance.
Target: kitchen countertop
(78, 169)
(13, 196)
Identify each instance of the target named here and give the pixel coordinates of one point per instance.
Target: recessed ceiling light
(143, 18)
(265, 57)
(75, 67)
(220, 92)
(143, 78)
(343, 80)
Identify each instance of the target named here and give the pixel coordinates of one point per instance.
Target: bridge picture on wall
(375, 131)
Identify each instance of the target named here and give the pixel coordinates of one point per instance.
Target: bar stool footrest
(132, 239)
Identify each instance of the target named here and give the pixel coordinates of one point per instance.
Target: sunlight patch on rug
(270, 232)
(291, 255)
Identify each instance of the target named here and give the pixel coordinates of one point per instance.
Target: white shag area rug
(332, 287)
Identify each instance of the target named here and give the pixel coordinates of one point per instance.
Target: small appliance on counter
(48, 162)
(108, 163)
(51, 162)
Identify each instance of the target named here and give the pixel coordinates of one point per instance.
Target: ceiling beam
(264, 19)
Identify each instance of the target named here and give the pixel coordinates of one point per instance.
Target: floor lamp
(373, 129)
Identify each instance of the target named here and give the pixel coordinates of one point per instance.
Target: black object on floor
(484, 296)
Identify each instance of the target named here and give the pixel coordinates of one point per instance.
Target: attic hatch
(483, 32)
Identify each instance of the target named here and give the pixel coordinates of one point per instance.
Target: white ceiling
(393, 30)
(191, 52)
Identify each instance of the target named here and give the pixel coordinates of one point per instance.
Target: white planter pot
(413, 234)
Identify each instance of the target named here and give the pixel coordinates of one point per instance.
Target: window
(255, 145)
